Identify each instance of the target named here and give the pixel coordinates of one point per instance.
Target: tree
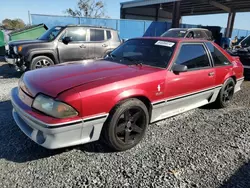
(88, 8)
(13, 24)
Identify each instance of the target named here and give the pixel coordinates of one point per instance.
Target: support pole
(29, 17)
(122, 13)
(176, 14)
(156, 14)
(230, 24)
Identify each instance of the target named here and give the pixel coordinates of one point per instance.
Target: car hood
(54, 80)
(22, 42)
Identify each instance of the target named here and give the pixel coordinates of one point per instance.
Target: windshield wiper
(134, 61)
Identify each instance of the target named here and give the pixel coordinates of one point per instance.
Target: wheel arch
(49, 54)
(135, 95)
(230, 75)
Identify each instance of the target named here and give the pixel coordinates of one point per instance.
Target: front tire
(40, 62)
(226, 94)
(126, 125)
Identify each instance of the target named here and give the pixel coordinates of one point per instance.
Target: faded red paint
(96, 87)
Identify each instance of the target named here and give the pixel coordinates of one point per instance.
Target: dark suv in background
(62, 44)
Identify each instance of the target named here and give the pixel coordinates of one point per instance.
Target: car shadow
(8, 72)
(241, 178)
(15, 146)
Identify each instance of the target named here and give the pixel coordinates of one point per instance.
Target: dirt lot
(201, 148)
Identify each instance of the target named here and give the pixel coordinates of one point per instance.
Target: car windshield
(51, 34)
(175, 33)
(150, 52)
(245, 42)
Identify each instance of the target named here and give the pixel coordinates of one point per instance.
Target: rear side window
(193, 56)
(197, 34)
(96, 35)
(108, 34)
(209, 34)
(218, 57)
(204, 35)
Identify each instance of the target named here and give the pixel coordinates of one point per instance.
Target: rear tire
(226, 94)
(126, 125)
(40, 62)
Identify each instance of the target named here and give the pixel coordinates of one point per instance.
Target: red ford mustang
(142, 81)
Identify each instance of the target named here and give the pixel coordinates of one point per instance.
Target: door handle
(104, 45)
(82, 46)
(211, 74)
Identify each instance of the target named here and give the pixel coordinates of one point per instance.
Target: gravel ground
(201, 148)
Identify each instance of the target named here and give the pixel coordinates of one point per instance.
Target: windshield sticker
(164, 43)
(57, 28)
(182, 31)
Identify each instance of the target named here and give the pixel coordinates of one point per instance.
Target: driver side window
(193, 56)
(76, 34)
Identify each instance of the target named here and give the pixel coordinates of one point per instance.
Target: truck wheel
(226, 94)
(40, 62)
(126, 125)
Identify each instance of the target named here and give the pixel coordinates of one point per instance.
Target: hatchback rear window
(175, 33)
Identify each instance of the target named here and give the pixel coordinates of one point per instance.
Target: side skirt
(170, 107)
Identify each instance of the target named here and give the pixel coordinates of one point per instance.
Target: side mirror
(179, 68)
(107, 54)
(67, 40)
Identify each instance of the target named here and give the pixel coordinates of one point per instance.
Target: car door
(99, 41)
(76, 49)
(194, 88)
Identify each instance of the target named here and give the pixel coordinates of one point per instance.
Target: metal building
(173, 10)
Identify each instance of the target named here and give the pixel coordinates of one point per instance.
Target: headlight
(53, 108)
(6, 47)
(15, 50)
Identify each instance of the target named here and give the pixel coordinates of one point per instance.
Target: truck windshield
(150, 52)
(175, 33)
(51, 34)
(245, 42)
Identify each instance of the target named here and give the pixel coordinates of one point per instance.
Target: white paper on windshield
(182, 31)
(164, 43)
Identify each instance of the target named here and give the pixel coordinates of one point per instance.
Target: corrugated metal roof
(193, 7)
(138, 3)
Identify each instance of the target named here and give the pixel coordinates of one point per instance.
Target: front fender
(30, 54)
(130, 94)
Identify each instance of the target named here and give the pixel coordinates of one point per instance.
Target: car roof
(189, 29)
(174, 39)
(92, 26)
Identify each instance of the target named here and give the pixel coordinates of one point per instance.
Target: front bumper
(56, 135)
(11, 61)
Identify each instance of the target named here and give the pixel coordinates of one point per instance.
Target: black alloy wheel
(130, 125)
(126, 124)
(226, 94)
